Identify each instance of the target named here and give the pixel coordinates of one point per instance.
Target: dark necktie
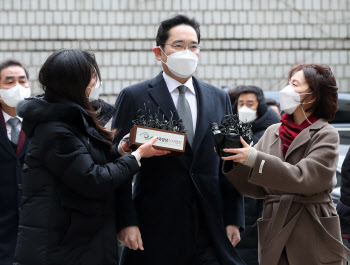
(184, 111)
(13, 122)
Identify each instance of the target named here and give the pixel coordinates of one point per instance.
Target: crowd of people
(70, 189)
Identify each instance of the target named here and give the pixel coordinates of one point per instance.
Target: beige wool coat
(300, 225)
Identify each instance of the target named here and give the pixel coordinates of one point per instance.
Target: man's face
(249, 100)
(11, 77)
(181, 34)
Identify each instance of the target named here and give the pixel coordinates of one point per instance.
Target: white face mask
(182, 64)
(12, 96)
(95, 91)
(290, 100)
(246, 114)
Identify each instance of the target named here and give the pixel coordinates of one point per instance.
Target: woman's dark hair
(324, 89)
(66, 74)
(166, 25)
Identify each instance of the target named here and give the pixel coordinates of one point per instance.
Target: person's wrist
(139, 152)
(251, 158)
(137, 156)
(121, 151)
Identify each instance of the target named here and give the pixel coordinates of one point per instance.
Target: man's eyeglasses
(181, 47)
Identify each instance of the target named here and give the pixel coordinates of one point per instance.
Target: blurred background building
(244, 41)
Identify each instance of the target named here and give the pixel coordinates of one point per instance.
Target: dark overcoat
(343, 205)
(165, 187)
(11, 163)
(70, 179)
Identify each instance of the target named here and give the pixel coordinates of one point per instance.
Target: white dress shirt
(190, 95)
(8, 126)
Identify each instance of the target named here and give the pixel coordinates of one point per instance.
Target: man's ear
(158, 53)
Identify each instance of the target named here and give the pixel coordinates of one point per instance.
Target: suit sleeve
(68, 160)
(122, 121)
(233, 201)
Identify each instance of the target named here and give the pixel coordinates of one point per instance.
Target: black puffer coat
(69, 187)
(264, 121)
(248, 247)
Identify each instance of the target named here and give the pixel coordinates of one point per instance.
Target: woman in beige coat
(293, 168)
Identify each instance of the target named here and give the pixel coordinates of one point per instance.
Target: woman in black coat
(71, 174)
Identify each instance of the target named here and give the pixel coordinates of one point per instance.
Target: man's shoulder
(144, 85)
(213, 88)
(136, 87)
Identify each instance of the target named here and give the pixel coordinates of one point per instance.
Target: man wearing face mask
(248, 102)
(250, 107)
(182, 210)
(14, 87)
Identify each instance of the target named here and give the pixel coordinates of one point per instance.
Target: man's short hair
(166, 25)
(10, 62)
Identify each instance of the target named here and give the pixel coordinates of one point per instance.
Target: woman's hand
(240, 154)
(147, 150)
(124, 144)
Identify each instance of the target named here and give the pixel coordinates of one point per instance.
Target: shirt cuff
(121, 151)
(251, 158)
(137, 157)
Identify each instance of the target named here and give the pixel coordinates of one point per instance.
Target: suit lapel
(4, 140)
(205, 107)
(205, 104)
(160, 94)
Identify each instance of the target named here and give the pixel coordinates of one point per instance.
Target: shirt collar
(172, 84)
(7, 117)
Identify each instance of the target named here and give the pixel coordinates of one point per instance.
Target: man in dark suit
(182, 210)
(14, 86)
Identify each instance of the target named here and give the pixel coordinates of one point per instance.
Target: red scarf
(289, 130)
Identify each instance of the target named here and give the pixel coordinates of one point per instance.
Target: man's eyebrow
(11, 77)
(193, 42)
(175, 41)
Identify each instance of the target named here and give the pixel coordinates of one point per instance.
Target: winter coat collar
(36, 110)
(303, 137)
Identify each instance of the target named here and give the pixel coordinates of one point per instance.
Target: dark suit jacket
(165, 187)
(11, 163)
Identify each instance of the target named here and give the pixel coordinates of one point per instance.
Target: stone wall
(244, 41)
